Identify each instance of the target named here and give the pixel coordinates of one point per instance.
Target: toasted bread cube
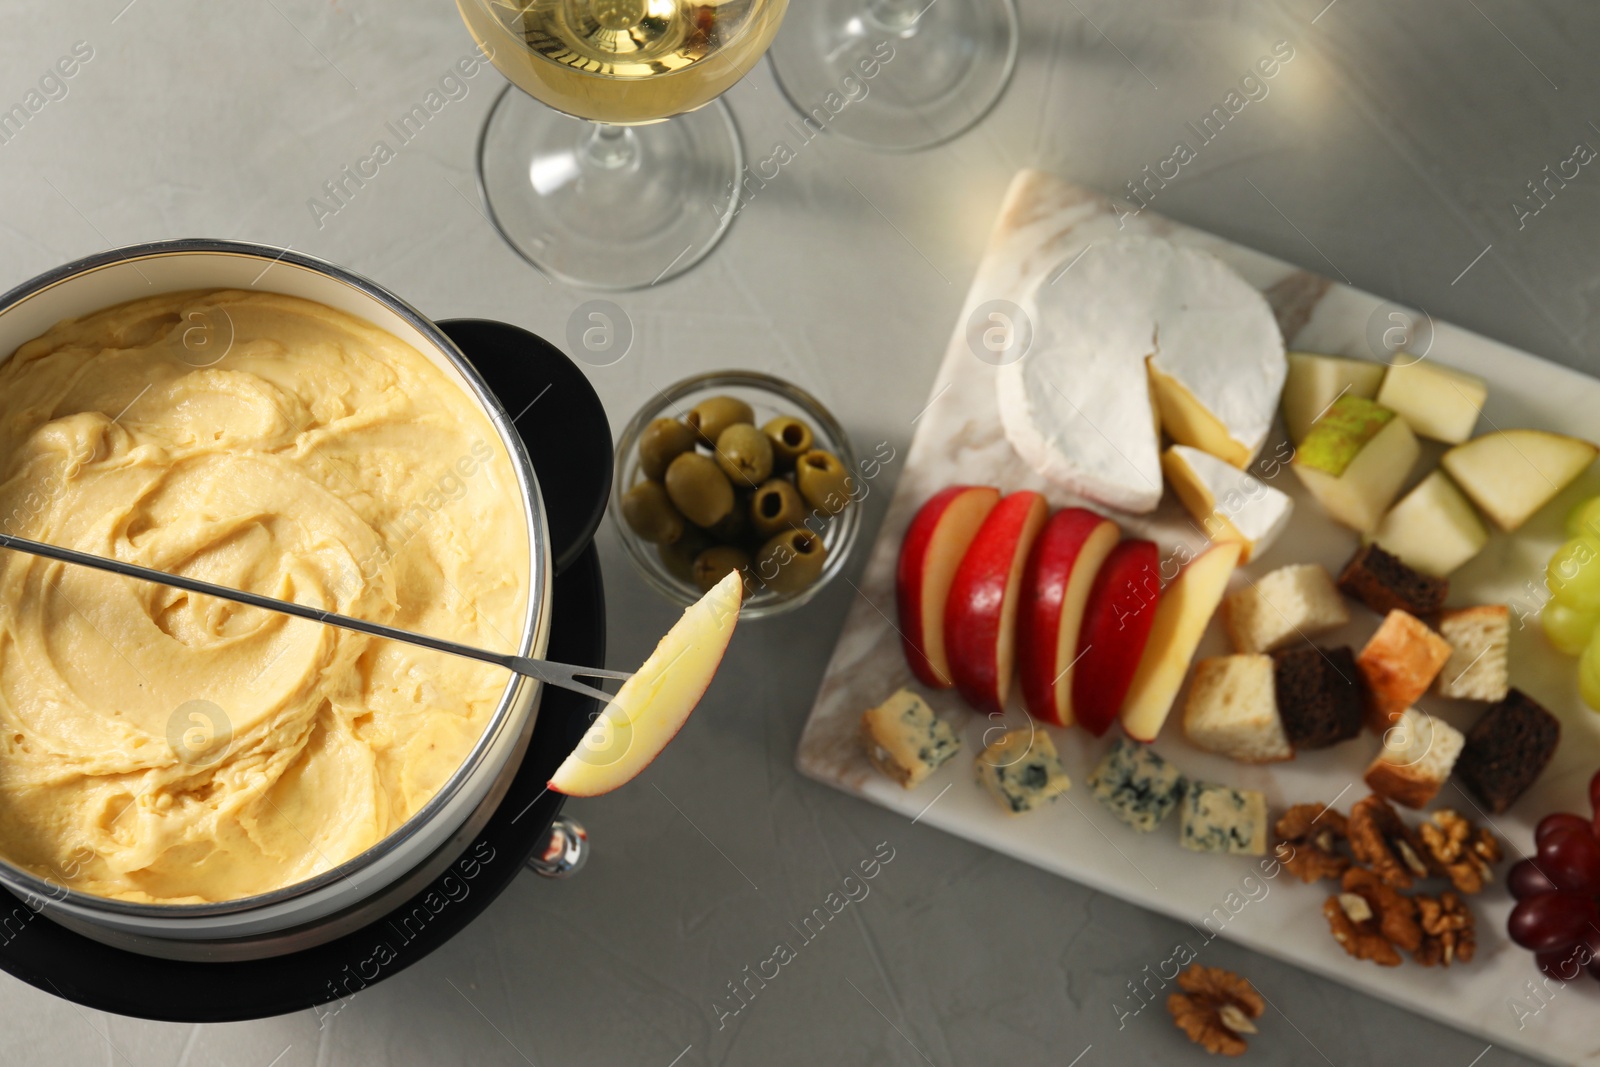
(1479, 639)
(905, 740)
(1418, 753)
(1399, 663)
(1232, 710)
(1292, 602)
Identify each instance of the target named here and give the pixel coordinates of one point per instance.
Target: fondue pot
(327, 937)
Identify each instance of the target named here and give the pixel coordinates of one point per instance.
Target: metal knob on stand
(564, 851)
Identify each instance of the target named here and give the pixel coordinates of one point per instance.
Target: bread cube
(1507, 750)
(1320, 695)
(1418, 753)
(1232, 711)
(1291, 602)
(1399, 663)
(1479, 640)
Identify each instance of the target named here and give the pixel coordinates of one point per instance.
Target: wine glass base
(893, 77)
(609, 207)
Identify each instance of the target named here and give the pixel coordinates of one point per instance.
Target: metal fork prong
(558, 675)
(596, 672)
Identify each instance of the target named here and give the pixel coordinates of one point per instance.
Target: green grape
(1574, 573)
(1585, 519)
(1568, 628)
(1589, 675)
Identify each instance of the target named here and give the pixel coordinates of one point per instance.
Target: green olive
(745, 455)
(790, 438)
(679, 556)
(791, 561)
(699, 489)
(823, 481)
(734, 527)
(716, 563)
(716, 413)
(776, 507)
(663, 441)
(650, 514)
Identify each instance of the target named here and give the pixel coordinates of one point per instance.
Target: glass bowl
(769, 397)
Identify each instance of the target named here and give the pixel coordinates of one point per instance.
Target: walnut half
(1372, 920)
(1381, 840)
(1309, 842)
(1447, 931)
(1215, 1009)
(1466, 853)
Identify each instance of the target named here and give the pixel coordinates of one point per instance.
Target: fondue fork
(562, 675)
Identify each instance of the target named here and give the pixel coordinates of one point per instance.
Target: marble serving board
(1043, 225)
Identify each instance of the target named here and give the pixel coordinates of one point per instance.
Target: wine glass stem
(608, 147)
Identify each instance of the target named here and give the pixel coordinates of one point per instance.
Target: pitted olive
(745, 455)
(699, 489)
(776, 507)
(716, 563)
(791, 561)
(663, 441)
(823, 481)
(650, 514)
(790, 439)
(716, 413)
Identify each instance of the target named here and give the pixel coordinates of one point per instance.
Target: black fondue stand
(565, 428)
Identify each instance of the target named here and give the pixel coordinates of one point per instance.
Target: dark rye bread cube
(1507, 750)
(1320, 696)
(1383, 583)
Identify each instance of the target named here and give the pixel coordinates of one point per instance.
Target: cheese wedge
(1229, 504)
(1140, 336)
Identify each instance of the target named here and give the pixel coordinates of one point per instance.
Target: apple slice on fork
(653, 705)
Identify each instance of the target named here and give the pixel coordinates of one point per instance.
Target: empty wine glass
(897, 75)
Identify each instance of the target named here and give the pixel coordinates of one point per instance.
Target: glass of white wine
(643, 187)
(897, 75)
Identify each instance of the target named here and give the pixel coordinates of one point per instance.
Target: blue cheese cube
(905, 740)
(1219, 819)
(1136, 785)
(1021, 770)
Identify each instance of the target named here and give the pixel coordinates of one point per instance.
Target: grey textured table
(1389, 152)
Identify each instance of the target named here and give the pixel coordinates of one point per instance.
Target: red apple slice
(1116, 623)
(1055, 587)
(980, 616)
(1186, 607)
(932, 549)
(652, 706)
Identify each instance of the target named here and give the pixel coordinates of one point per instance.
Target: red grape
(1563, 964)
(1552, 920)
(1526, 880)
(1561, 820)
(1571, 859)
(1594, 792)
(1567, 962)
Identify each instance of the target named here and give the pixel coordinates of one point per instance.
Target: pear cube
(1510, 474)
(1438, 403)
(1433, 528)
(1355, 459)
(1315, 382)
